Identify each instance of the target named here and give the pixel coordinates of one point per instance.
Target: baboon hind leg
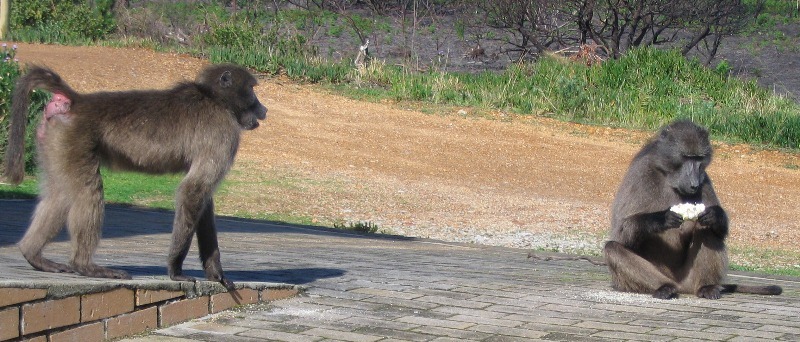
(209, 247)
(632, 273)
(48, 219)
(705, 266)
(85, 223)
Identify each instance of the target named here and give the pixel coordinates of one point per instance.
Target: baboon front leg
(182, 231)
(632, 273)
(190, 203)
(209, 247)
(48, 219)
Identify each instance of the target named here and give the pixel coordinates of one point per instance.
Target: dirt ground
(530, 183)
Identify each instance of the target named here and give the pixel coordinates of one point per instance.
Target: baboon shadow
(297, 276)
(123, 221)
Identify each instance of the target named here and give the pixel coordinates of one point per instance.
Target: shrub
(233, 34)
(60, 21)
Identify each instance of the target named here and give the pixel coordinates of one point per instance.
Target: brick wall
(95, 313)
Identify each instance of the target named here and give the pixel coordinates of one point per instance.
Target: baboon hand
(222, 280)
(709, 217)
(214, 273)
(228, 284)
(672, 219)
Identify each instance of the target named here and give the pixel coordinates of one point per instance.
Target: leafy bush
(233, 34)
(60, 21)
(9, 72)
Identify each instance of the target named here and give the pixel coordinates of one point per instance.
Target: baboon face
(252, 109)
(234, 87)
(248, 118)
(686, 152)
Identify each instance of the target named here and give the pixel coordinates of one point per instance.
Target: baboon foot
(709, 292)
(214, 273)
(95, 271)
(46, 265)
(181, 277)
(666, 292)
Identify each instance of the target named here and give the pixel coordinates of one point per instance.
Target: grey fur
(192, 128)
(652, 249)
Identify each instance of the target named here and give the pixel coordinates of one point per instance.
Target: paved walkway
(375, 288)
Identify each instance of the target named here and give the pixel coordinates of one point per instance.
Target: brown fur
(192, 128)
(476, 51)
(652, 249)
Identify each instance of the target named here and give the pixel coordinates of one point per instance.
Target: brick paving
(379, 288)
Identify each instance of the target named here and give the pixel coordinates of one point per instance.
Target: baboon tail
(769, 290)
(36, 78)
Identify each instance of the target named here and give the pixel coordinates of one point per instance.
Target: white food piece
(688, 211)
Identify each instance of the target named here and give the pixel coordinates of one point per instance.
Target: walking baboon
(192, 128)
(653, 249)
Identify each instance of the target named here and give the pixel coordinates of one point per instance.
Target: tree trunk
(4, 9)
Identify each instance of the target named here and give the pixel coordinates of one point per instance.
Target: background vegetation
(635, 66)
(616, 77)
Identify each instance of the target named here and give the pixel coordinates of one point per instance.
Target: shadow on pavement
(298, 276)
(142, 255)
(124, 220)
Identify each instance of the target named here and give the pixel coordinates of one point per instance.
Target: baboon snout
(249, 119)
(261, 112)
(689, 188)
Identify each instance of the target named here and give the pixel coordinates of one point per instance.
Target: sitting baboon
(653, 249)
(193, 128)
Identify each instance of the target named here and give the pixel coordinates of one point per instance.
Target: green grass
(765, 260)
(118, 187)
(140, 189)
(29, 188)
(643, 90)
(785, 271)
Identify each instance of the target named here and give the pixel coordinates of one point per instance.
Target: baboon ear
(226, 79)
(667, 134)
